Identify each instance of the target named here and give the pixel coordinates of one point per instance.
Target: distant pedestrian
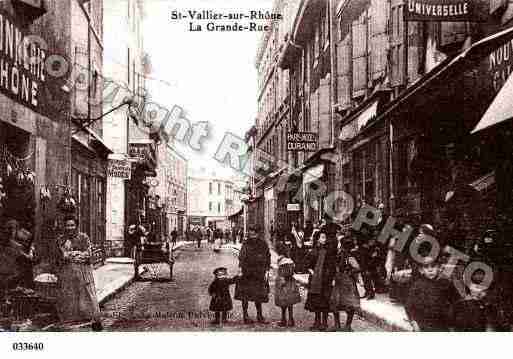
(234, 235)
(174, 236)
(286, 292)
(198, 236)
(219, 290)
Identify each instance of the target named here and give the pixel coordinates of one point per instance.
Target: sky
(211, 75)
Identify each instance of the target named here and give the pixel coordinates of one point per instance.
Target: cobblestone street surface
(182, 305)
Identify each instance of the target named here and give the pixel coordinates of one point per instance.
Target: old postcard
(259, 165)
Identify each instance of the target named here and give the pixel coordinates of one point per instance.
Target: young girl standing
(286, 289)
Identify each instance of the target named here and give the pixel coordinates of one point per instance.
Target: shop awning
(467, 59)
(350, 130)
(313, 174)
(236, 214)
(500, 110)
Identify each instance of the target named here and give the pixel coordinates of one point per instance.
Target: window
(210, 206)
(219, 208)
(219, 188)
(210, 188)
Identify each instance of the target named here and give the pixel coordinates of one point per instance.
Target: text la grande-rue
(229, 27)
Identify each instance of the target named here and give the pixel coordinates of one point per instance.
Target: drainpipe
(333, 72)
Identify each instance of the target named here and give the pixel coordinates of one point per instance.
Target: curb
(127, 281)
(364, 314)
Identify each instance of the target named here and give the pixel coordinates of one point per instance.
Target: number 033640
(19, 346)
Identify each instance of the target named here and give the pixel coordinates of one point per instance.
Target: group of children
(433, 304)
(286, 292)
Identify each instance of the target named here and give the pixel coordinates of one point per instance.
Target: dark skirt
(318, 302)
(252, 289)
(221, 303)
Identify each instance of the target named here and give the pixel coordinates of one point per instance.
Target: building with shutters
(393, 103)
(211, 199)
(125, 67)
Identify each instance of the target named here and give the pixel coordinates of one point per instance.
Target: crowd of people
(346, 266)
(214, 235)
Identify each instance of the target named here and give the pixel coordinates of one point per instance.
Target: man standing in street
(198, 236)
(174, 236)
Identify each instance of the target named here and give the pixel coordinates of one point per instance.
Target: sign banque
(441, 10)
(21, 75)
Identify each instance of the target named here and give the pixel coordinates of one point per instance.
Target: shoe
(315, 327)
(215, 322)
(291, 323)
(97, 327)
(323, 327)
(348, 329)
(248, 321)
(371, 296)
(282, 323)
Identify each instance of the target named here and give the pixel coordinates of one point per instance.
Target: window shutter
(379, 37)
(415, 50)
(396, 42)
(452, 32)
(344, 72)
(359, 30)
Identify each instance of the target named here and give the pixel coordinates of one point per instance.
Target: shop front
(88, 185)
(364, 163)
(140, 207)
(442, 174)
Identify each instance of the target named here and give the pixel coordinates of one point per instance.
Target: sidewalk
(116, 275)
(381, 311)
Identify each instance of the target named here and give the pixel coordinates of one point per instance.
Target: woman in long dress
(78, 301)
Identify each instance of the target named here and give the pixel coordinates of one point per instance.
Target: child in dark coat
(430, 298)
(219, 290)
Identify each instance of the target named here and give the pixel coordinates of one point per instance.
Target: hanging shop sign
(293, 207)
(119, 169)
(302, 142)
(443, 10)
(22, 65)
(269, 194)
(141, 152)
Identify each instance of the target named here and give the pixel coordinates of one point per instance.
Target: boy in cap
(219, 290)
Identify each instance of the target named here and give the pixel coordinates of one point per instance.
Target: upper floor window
(219, 188)
(210, 188)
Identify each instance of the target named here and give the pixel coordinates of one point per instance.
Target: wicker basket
(47, 290)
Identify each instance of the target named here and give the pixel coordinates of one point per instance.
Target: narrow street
(182, 305)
